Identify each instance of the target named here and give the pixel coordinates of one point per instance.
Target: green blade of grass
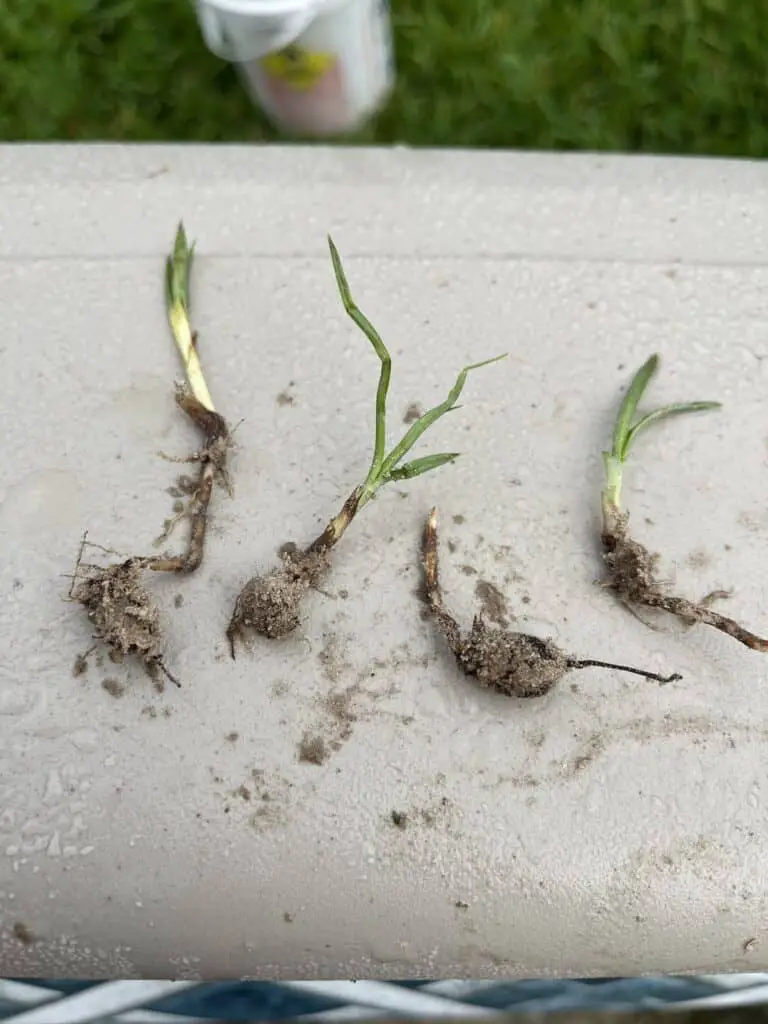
(178, 267)
(425, 421)
(422, 465)
(169, 282)
(385, 374)
(177, 272)
(676, 409)
(623, 426)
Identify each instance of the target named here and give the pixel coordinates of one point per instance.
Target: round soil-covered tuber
(270, 605)
(515, 664)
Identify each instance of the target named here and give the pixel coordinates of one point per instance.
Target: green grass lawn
(670, 76)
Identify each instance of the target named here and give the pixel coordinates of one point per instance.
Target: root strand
(212, 461)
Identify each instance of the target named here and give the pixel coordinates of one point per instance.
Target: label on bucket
(327, 77)
(309, 96)
(297, 67)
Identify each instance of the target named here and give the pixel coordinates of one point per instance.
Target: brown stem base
(632, 575)
(433, 594)
(337, 527)
(213, 461)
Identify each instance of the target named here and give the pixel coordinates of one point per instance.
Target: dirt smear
(353, 697)
(270, 799)
(708, 733)
(511, 663)
(632, 576)
(313, 749)
(434, 815)
(589, 751)
(23, 934)
(113, 687)
(341, 708)
(493, 604)
(80, 666)
(333, 658)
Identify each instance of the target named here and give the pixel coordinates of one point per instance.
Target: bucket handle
(218, 41)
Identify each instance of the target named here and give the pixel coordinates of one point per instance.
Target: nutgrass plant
(631, 566)
(514, 664)
(122, 612)
(269, 605)
(195, 400)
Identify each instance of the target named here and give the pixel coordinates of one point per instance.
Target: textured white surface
(612, 827)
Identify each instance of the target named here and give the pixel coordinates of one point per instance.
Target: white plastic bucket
(316, 67)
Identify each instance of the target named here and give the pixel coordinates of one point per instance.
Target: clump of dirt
(400, 819)
(121, 610)
(113, 687)
(313, 749)
(80, 666)
(632, 576)
(269, 605)
(515, 664)
(232, 737)
(23, 934)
